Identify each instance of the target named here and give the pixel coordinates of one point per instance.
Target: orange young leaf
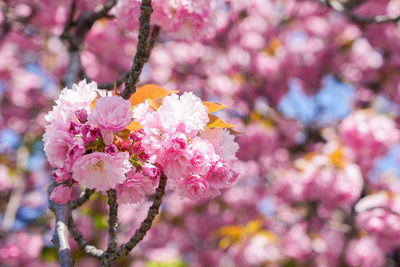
(149, 91)
(93, 104)
(216, 122)
(124, 134)
(134, 126)
(155, 103)
(213, 106)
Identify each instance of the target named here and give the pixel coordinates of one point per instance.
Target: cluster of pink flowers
(383, 224)
(369, 135)
(181, 19)
(13, 249)
(322, 174)
(197, 160)
(89, 142)
(365, 252)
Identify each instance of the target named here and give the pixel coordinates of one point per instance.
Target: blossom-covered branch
(346, 9)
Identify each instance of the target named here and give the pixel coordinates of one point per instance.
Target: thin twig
(66, 33)
(85, 195)
(118, 82)
(81, 241)
(142, 51)
(146, 224)
(112, 227)
(352, 4)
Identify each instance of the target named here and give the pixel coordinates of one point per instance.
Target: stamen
(99, 166)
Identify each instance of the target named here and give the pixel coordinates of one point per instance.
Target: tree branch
(112, 227)
(118, 82)
(7, 25)
(85, 195)
(142, 51)
(75, 70)
(74, 73)
(346, 10)
(146, 224)
(60, 237)
(81, 241)
(74, 41)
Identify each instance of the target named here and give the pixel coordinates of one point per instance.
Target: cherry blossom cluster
(369, 135)
(98, 140)
(321, 174)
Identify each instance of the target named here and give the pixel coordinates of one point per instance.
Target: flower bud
(90, 132)
(61, 194)
(111, 149)
(60, 175)
(81, 115)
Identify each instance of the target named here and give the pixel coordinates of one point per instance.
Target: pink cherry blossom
(365, 252)
(134, 188)
(61, 194)
(111, 114)
(194, 187)
(90, 132)
(176, 163)
(184, 114)
(56, 146)
(74, 128)
(223, 143)
(60, 175)
(296, 242)
(76, 149)
(151, 170)
(81, 115)
(101, 171)
(80, 95)
(369, 135)
(111, 149)
(203, 155)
